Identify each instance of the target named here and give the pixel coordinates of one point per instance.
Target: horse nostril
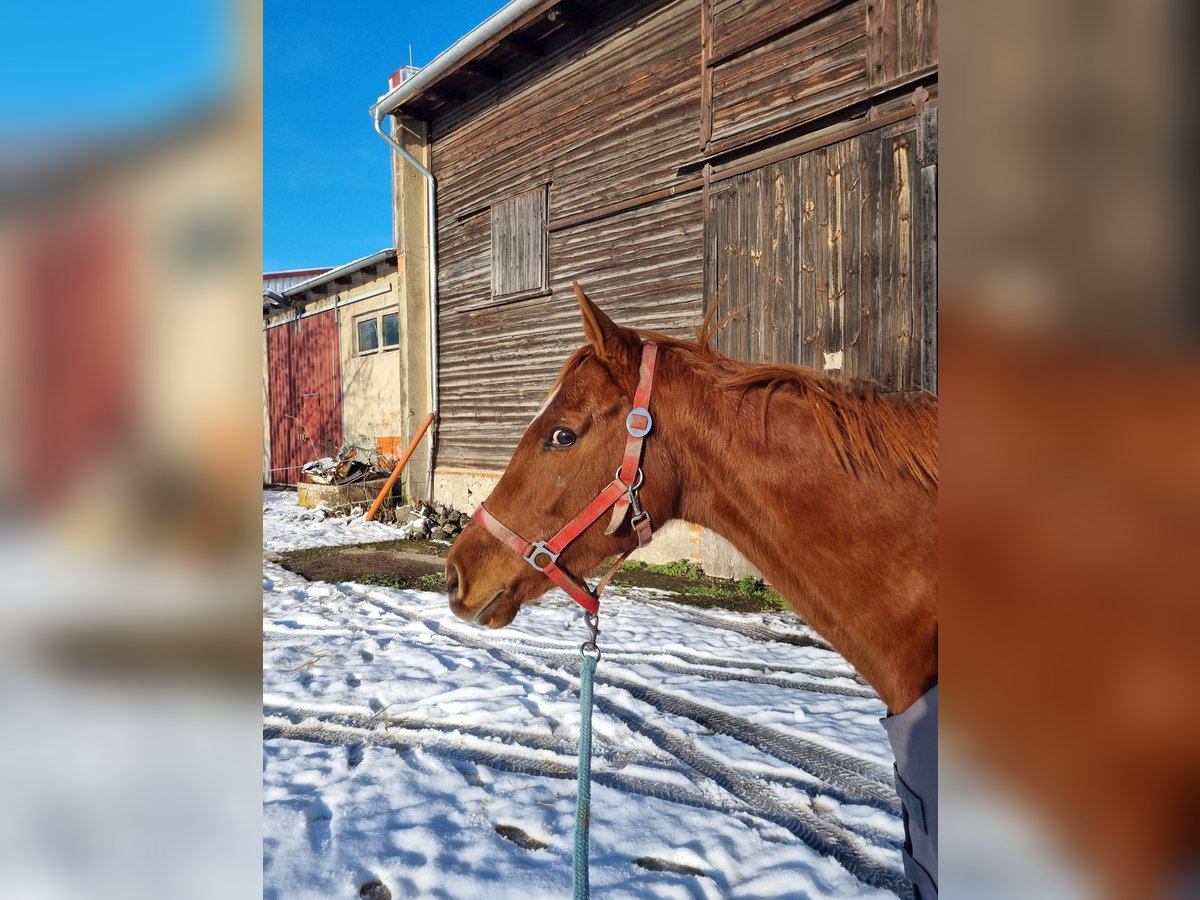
(451, 581)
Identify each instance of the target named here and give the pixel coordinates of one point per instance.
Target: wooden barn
(774, 158)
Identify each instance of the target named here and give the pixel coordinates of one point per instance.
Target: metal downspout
(431, 219)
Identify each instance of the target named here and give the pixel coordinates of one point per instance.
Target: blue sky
(326, 189)
(83, 68)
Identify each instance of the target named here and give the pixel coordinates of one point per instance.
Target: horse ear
(597, 327)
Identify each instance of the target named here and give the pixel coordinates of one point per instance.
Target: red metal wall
(305, 393)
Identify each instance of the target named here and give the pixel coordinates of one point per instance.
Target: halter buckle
(536, 549)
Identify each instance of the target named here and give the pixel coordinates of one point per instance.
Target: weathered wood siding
(614, 123)
(903, 38)
(829, 259)
(797, 75)
(772, 66)
(693, 152)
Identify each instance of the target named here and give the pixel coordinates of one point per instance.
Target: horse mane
(866, 427)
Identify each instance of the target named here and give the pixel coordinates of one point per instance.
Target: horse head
(565, 459)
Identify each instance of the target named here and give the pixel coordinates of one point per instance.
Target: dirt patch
(404, 564)
(421, 565)
(700, 591)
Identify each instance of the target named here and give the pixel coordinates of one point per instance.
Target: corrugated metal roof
(281, 281)
(333, 274)
(297, 283)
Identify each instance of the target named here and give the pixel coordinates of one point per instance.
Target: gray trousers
(913, 735)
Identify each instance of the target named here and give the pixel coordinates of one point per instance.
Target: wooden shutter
(519, 257)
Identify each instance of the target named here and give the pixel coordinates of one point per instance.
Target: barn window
(375, 331)
(391, 330)
(519, 247)
(368, 335)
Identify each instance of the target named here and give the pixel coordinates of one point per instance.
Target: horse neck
(855, 556)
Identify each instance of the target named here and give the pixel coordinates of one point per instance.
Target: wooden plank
(885, 371)
(929, 28)
(899, 327)
(711, 255)
(751, 273)
(908, 36)
(683, 186)
(928, 242)
(736, 253)
(778, 282)
(881, 25)
(795, 150)
(862, 343)
(928, 262)
(917, 39)
(834, 343)
(823, 288)
(809, 304)
(706, 75)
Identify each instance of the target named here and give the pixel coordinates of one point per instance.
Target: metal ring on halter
(536, 549)
(639, 431)
(637, 483)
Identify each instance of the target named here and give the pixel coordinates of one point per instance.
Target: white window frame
(377, 317)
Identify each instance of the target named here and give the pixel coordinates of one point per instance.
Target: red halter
(621, 494)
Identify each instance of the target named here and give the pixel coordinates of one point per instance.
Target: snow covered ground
(404, 745)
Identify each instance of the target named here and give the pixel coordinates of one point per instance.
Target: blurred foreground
(129, 258)
(1070, 494)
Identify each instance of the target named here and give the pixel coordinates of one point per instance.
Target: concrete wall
(412, 241)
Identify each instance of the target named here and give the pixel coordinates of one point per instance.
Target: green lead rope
(583, 798)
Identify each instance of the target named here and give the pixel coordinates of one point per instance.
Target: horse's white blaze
(545, 403)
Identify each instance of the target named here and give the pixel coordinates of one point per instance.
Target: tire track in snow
(850, 778)
(703, 659)
(758, 633)
(517, 738)
(665, 662)
(525, 739)
(746, 629)
(861, 780)
(660, 661)
(334, 734)
(839, 841)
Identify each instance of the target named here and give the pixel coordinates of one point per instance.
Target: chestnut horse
(828, 487)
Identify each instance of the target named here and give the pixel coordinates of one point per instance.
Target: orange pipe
(387, 487)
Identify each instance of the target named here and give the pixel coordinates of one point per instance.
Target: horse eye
(561, 437)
